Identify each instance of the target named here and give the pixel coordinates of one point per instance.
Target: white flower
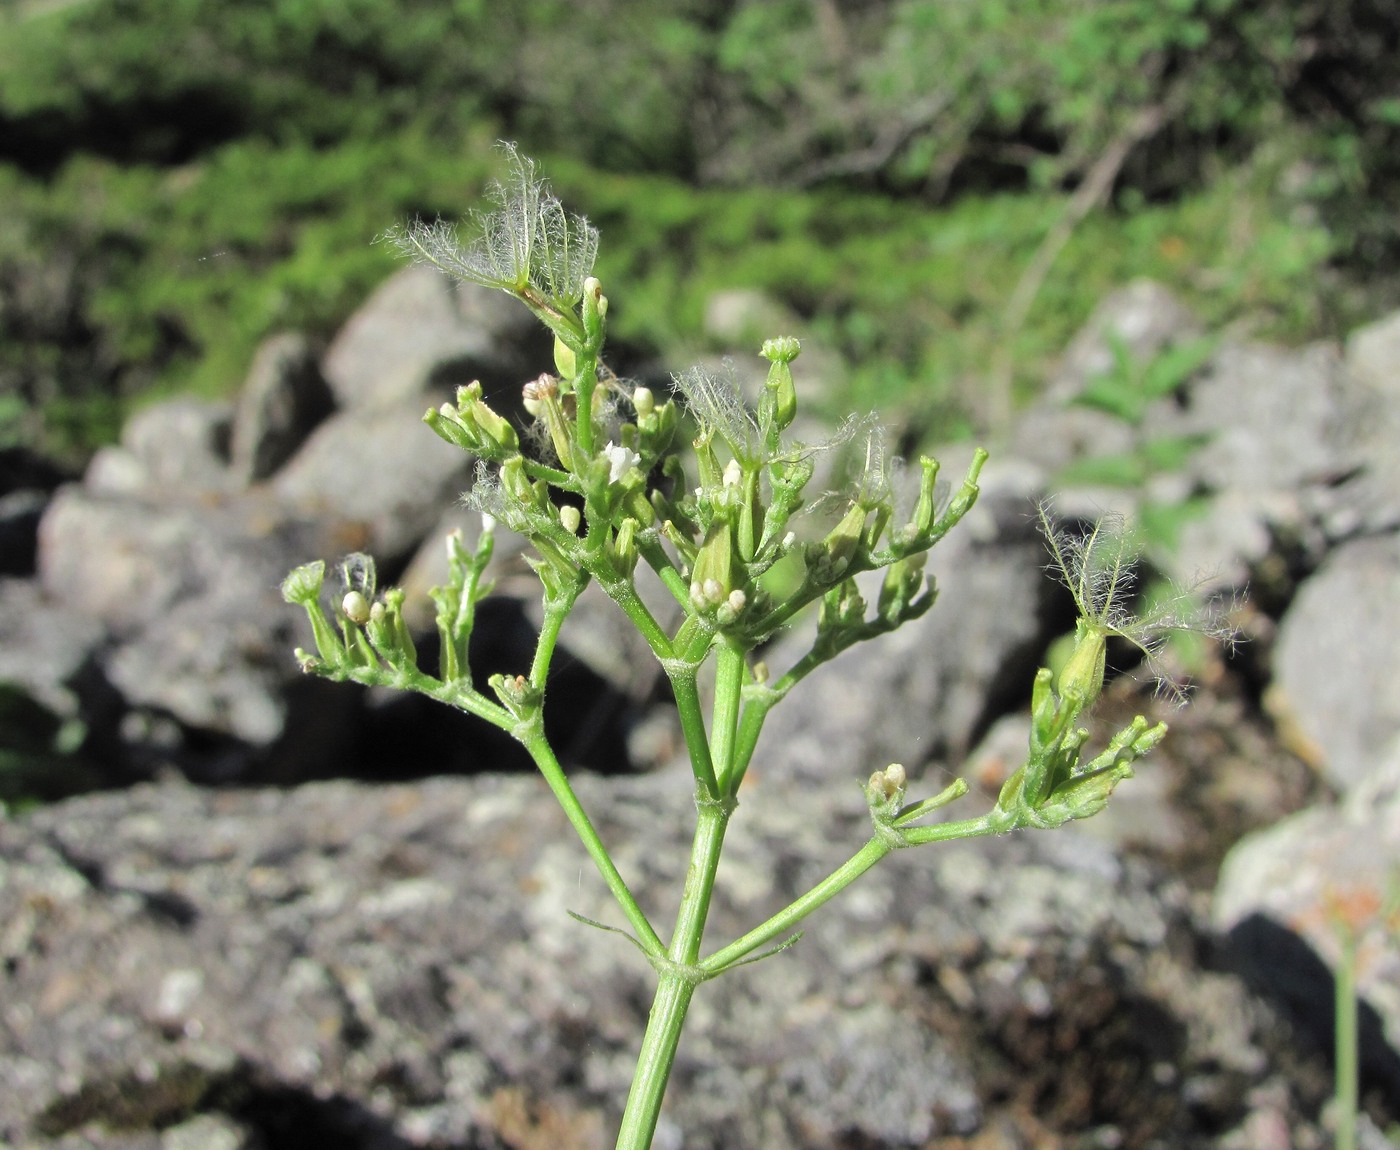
(620, 460)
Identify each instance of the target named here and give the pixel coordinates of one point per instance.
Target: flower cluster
(599, 485)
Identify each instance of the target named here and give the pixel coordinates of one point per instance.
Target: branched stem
(538, 746)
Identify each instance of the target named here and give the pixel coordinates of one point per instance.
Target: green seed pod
(902, 583)
(841, 542)
(494, 427)
(713, 573)
(622, 550)
(1081, 678)
(924, 509)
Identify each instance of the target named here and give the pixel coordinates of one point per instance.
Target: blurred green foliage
(184, 176)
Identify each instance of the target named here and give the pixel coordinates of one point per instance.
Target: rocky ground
(297, 914)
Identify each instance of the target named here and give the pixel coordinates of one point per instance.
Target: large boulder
(379, 467)
(180, 604)
(423, 332)
(1336, 663)
(282, 399)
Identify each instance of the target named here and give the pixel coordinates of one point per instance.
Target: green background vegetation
(182, 178)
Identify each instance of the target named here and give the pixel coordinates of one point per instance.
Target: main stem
(679, 974)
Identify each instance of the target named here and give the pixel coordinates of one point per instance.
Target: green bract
(601, 487)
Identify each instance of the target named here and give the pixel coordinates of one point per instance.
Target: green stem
(657, 559)
(555, 612)
(786, 919)
(624, 593)
(1346, 1050)
(685, 688)
(759, 699)
(677, 981)
(535, 742)
(658, 1055)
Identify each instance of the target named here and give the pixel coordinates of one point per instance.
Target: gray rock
(1058, 432)
(1144, 316)
(47, 649)
(1283, 891)
(1054, 434)
(394, 966)
(744, 317)
(1367, 502)
(1275, 425)
(738, 320)
(181, 445)
(421, 331)
(186, 600)
(117, 560)
(928, 690)
(282, 399)
(113, 470)
(1373, 356)
(1276, 418)
(379, 467)
(1335, 664)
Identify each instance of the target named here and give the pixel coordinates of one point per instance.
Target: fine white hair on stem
(526, 240)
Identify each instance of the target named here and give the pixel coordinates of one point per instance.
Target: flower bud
(356, 607)
(446, 426)
(778, 407)
(622, 549)
(570, 518)
(643, 402)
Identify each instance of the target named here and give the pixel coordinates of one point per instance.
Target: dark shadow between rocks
(1283, 967)
(386, 735)
(286, 1118)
